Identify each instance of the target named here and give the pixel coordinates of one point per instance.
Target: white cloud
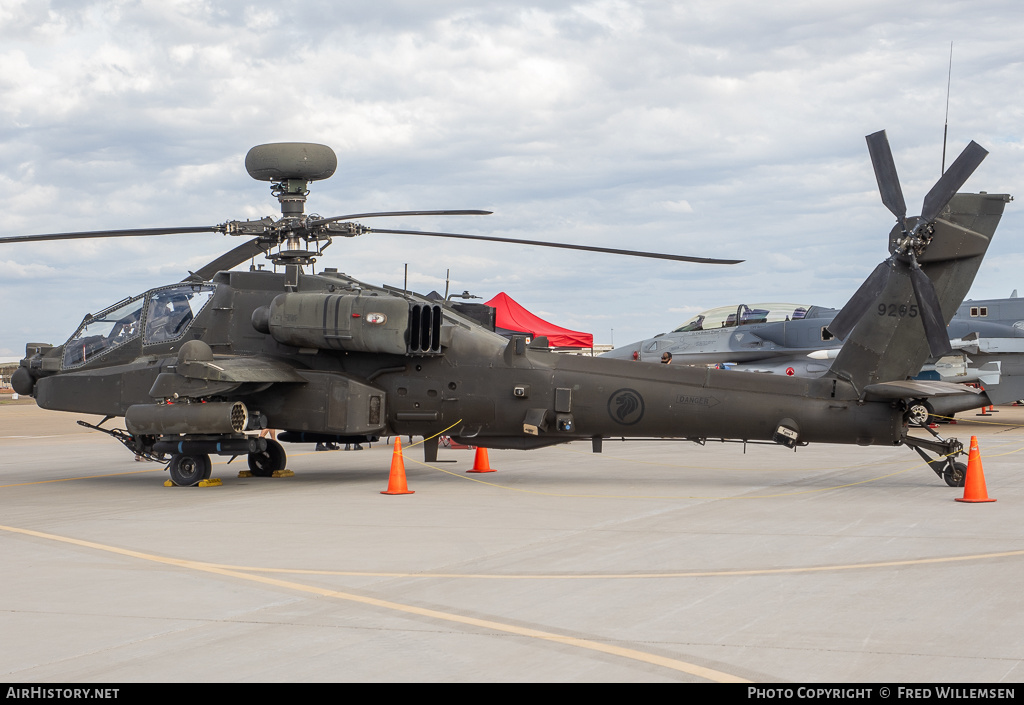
(682, 206)
(719, 129)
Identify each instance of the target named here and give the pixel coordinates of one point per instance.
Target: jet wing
(975, 345)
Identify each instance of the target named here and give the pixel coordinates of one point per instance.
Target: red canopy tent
(510, 315)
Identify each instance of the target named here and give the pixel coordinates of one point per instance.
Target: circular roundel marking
(790, 371)
(626, 406)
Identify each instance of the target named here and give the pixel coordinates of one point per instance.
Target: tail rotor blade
(931, 312)
(885, 175)
(843, 324)
(950, 182)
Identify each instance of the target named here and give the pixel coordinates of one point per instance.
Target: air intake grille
(424, 329)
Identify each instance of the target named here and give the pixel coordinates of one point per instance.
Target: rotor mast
(291, 194)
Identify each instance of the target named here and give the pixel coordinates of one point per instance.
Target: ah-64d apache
(194, 365)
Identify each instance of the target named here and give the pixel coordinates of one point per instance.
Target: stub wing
(201, 378)
(240, 369)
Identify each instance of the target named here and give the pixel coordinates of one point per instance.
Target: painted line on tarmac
(633, 576)
(55, 435)
(587, 644)
(83, 477)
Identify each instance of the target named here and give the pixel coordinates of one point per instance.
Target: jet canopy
(743, 315)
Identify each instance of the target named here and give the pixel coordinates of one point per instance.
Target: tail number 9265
(894, 310)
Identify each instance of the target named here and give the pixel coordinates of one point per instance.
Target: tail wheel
(955, 475)
(268, 462)
(189, 470)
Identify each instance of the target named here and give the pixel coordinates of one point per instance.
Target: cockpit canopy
(743, 315)
(171, 311)
(162, 315)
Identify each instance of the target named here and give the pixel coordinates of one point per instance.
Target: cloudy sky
(729, 129)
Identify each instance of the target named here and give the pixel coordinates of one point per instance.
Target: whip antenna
(945, 129)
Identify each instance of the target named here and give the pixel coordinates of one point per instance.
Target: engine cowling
(353, 322)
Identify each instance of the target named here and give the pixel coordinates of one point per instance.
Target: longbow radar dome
(291, 160)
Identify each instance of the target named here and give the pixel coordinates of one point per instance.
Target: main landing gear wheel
(919, 414)
(189, 470)
(268, 462)
(956, 475)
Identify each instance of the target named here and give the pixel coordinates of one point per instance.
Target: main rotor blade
(246, 250)
(323, 221)
(950, 182)
(108, 233)
(845, 321)
(885, 175)
(585, 248)
(931, 313)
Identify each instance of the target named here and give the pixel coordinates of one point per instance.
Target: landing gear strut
(945, 466)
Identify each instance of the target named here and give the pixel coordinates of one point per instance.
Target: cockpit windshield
(172, 310)
(168, 314)
(104, 331)
(742, 315)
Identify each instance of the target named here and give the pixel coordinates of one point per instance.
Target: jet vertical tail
(886, 334)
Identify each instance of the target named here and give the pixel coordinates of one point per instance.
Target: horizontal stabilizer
(916, 388)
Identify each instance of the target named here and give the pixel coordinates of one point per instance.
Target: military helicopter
(193, 366)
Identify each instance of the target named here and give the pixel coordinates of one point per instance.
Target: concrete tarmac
(653, 561)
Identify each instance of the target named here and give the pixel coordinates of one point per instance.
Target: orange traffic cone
(974, 481)
(396, 481)
(480, 463)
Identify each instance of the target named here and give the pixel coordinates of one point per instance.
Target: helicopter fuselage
(331, 357)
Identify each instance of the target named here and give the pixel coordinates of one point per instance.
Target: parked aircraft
(192, 366)
(986, 336)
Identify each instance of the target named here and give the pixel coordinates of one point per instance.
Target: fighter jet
(986, 337)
